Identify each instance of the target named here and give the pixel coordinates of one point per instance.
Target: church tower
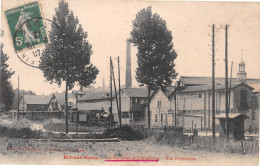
(241, 75)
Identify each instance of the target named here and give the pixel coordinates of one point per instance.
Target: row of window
(199, 111)
(138, 101)
(163, 117)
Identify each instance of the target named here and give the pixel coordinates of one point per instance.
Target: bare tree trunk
(66, 108)
(148, 106)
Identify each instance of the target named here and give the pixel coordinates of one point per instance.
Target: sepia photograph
(129, 82)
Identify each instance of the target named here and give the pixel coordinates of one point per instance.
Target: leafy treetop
(155, 50)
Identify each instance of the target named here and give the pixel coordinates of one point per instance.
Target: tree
(155, 56)
(67, 56)
(6, 88)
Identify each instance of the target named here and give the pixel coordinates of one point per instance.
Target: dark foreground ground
(22, 151)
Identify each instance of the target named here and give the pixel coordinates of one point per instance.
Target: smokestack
(128, 76)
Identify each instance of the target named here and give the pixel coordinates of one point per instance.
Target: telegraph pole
(23, 105)
(115, 92)
(1, 94)
(18, 104)
(213, 83)
(111, 102)
(77, 121)
(119, 87)
(226, 80)
(175, 108)
(230, 86)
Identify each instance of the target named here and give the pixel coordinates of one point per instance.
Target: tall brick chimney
(128, 76)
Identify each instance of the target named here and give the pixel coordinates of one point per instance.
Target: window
(243, 100)
(161, 118)
(159, 103)
(134, 100)
(166, 120)
(155, 118)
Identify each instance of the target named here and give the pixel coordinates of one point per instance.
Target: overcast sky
(109, 24)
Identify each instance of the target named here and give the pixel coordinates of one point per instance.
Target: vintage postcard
(129, 82)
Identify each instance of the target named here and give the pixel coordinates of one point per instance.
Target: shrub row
(26, 133)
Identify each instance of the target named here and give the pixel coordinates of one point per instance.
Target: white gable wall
(159, 107)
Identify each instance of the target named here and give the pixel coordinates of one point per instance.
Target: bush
(26, 133)
(125, 133)
(171, 136)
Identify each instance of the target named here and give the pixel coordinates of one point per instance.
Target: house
(39, 106)
(61, 100)
(199, 81)
(92, 103)
(186, 81)
(194, 99)
(35, 102)
(96, 101)
(160, 111)
(194, 104)
(252, 123)
(133, 102)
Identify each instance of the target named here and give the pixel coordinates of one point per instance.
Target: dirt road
(19, 151)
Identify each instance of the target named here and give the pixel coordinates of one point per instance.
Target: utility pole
(205, 97)
(226, 82)
(230, 87)
(213, 83)
(18, 103)
(66, 109)
(119, 87)
(183, 112)
(175, 104)
(115, 92)
(77, 120)
(23, 105)
(111, 102)
(1, 94)
(175, 108)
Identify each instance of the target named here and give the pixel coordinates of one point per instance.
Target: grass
(206, 143)
(232, 146)
(171, 137)
(55, 125)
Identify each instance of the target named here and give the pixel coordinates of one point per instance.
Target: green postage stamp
(26, 26)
